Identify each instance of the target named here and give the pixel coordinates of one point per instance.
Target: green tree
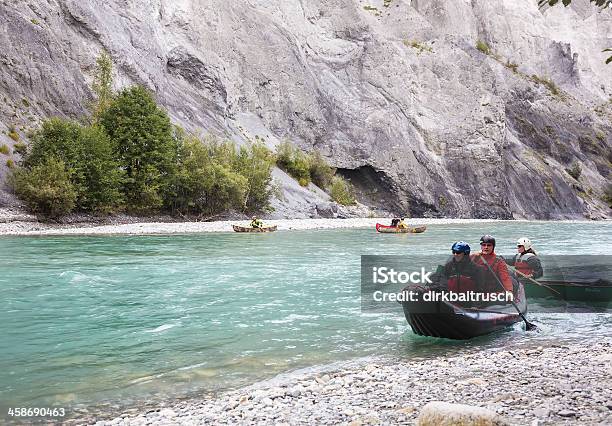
(204, 182)
(255, 163)
(102, 85)
(46, 188)
(88, 156)
(146, 147)
(214, 176)
(225, 189)
(102, 176)
(55, 138)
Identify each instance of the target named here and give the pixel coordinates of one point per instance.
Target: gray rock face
(397, 97)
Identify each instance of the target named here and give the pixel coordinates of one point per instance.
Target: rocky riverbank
(22, 224)
(561, 384)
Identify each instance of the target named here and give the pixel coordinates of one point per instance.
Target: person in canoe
(395, 221)
(256, 223)
(461, 273)
(496, 269)
(526, 261)
(401, 224)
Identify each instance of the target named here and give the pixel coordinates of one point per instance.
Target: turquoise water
(90, 322)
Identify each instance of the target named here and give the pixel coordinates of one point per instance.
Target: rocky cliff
(466, 108)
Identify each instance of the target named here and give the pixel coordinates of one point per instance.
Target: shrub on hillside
(46, 188)
(294, 162)
(342, 191)
(304, 167)
(13, 134)
(575, 171)
(21, 149)
(321, 173)
(608, 194)
(546, 82)
(483, 47)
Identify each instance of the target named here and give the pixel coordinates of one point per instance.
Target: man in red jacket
(496, 264)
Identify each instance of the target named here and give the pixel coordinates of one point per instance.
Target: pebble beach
(14, 223)
(17, 222)
(559, 384)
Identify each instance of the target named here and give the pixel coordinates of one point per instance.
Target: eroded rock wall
(394, 93)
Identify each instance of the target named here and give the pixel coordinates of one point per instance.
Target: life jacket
(498, 270)
(461, 276)
(461, 283)
(521, 265)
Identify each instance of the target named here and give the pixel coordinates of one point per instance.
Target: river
(99, 323)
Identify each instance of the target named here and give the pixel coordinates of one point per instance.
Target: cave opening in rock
(372, 187)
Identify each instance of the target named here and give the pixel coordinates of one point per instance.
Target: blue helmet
(461, 247)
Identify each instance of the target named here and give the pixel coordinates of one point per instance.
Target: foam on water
(161, 328)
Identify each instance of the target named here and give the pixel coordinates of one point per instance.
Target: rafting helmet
(488, 239)
(461, 247)
(525, 242)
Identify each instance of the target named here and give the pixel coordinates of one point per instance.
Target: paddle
(534, 281)
(576, 283)
(528, 326)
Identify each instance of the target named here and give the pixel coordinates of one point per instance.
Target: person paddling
(526, 261)
(498, 278)
(256, 223)
(402, 224)
(497, 268)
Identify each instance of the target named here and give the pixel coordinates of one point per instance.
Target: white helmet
(525, 242)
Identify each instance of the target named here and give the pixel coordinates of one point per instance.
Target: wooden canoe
(239, 228)
(395, 230)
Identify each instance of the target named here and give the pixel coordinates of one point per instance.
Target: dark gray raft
(452, 321)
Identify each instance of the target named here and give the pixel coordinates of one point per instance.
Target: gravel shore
(561, 384)
(37, 228)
